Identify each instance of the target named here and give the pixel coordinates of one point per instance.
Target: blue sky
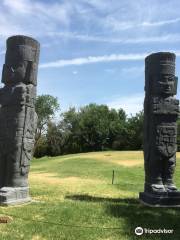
(94, 50)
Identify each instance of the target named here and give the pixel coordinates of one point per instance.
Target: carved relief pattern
(18, 118)
(161, 111)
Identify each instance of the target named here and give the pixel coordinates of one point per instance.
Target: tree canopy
(91, 128)
(46, 107)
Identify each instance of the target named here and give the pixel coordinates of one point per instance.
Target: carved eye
(170, 78)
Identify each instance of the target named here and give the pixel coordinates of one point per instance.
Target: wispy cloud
(93, 59)
(135, 70)
(94, 28)
(131, 103)
(75, 72)
(110, 70)
(132, 70)
(167, 38)
(33, 17)
(118, 25)
(100, 59)
(20, 6)
(161, 23)
(42, 19)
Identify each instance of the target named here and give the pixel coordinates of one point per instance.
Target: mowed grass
(74, 199)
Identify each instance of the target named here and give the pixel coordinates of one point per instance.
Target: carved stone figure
(161, 111)
(17, 118)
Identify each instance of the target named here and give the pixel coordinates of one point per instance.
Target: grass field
(74, 199)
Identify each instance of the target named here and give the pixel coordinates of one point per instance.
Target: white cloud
(98, 4)
(41, 19)
(100, 59)
(34, 18)
(160, 23)
(110, 70)
(131, 104)
(19, 6)
(75, 72)
(93, 59)
(89, 21)
(135, 71)
(41, 11)
(132, 70)
(167, 38)
(118, 25)
(142, 16)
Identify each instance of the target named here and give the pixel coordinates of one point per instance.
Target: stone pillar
(18, 118)
(161, 111)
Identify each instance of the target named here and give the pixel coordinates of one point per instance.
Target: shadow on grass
(131, 213)
(89, 198)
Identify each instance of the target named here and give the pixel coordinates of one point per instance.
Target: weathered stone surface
(18, 118)
(161, 200)
(161, 110)
(14, 195)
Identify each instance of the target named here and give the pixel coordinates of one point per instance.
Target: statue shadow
(89, 198)
(131, 214)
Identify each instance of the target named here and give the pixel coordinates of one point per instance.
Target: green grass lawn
(74, 199)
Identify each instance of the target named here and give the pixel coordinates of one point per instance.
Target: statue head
(21, 60)
(160, 74)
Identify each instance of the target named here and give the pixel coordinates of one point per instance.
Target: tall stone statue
(18, 118)
(161, 111)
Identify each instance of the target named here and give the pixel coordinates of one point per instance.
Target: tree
(118, 131)
(65, 136)
(94, 127)
(54, 140)
(91, 128)
(135, 131)
(46, 107)
(41, 148)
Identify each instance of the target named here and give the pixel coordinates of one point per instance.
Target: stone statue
(18, 118)
(161, 111)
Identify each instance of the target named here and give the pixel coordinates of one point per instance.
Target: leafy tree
(94, 126)
(54, 139)
(71, 133)
(118, 132)
(41, 148)
(91, 128)
(135, 131)
(46, 107)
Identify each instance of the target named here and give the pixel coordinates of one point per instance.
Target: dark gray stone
(14, 195)
(18, 118)
(160, 200)
(161, 111)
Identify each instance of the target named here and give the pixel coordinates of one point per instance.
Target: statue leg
(14, 177)
(153, 169)
(168, 173)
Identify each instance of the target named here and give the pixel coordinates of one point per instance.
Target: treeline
(90, 128)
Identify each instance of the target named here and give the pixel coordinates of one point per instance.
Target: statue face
(14, 72)
(165, 84)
